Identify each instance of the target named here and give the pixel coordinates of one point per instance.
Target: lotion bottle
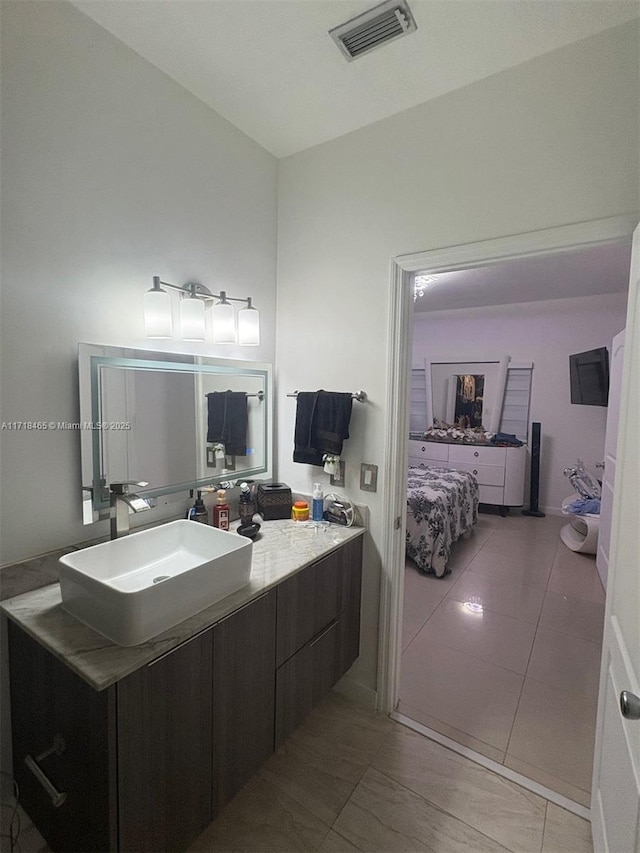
(221, 511)
(318, 502)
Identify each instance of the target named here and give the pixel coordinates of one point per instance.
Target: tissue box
(274, 501)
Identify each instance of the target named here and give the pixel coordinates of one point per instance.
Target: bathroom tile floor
(518, 680)
(349, 779)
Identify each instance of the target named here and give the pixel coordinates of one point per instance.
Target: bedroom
(519, 613)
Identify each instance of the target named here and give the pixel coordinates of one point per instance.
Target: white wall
(545, 333)
(111, 173)
(551, 142)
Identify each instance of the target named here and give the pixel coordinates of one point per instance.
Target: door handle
(630, 705)
(59, 746)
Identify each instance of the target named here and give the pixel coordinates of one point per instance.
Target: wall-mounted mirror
(174, 420)
(468, 394)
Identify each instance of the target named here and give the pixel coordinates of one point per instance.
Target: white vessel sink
(132, 589)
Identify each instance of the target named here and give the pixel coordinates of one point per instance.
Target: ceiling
(270, 68)
(587, 272)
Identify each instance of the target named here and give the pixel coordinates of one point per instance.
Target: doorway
(566, 239)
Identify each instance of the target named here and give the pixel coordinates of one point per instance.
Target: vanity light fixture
(158, 321)
(192, 317)
(195, 301)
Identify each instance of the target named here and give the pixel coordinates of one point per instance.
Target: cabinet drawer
(491, 495)
(474, 453)
(428, 450)
(486, 475)
(306, 604)
(304, 679)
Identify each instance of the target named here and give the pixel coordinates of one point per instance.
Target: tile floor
(517, 682)
(352, 780)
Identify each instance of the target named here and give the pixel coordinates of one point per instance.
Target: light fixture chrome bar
(194, 288)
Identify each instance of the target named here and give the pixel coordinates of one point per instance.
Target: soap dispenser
(198, 511)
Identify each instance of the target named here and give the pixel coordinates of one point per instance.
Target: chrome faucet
(120, 501)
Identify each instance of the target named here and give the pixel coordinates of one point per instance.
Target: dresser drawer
(486, 475)
(474, 453)
(428, 450)
(491, 495)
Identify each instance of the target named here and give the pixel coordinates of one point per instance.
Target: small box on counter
(274, 501)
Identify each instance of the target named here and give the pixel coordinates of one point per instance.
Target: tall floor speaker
(534, 490)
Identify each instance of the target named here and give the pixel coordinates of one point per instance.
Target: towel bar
(360, 396)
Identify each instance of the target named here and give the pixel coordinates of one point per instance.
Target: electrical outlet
(338, 481)
(368, 477)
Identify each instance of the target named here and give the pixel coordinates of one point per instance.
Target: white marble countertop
(282, 549)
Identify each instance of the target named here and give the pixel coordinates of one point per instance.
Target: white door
(615, 801)
(610, 450)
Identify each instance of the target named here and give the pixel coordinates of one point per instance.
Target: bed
(442, 505)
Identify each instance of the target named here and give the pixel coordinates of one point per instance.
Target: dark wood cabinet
(52, 706)
(307, 602)
(164, 749)
(243, 696)
(147, 763)
(314, 655)
(350, 592)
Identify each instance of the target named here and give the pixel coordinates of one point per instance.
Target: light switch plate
(338, 481)
(368, 477)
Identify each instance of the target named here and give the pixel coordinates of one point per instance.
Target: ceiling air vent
(381, 24)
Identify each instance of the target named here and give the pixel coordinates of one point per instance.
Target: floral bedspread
(441, 505)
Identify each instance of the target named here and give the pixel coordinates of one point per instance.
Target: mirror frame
(92, 357)
(501, 380)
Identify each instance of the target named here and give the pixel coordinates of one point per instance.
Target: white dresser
(500, 471)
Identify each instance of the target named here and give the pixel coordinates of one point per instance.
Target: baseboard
(552, 510)
(358, 692)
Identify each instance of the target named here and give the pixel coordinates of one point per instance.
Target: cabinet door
(164, 749)
(307, 603)
(243, 695)
(49, 701)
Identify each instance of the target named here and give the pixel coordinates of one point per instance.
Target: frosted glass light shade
(158, 320)
(224, 323)
(192, 319)
(249, 327)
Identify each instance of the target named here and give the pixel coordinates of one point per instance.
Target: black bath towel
(322, 424)
(227, 421)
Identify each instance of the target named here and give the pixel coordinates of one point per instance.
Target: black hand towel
(330, 424)
(322, 424)
(227, 421)
(303, 451)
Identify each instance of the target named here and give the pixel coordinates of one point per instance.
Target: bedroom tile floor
(518, 681)
(349, 779)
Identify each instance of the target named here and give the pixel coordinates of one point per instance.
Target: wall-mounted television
(589, 376)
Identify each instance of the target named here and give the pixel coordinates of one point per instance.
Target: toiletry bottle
(221, 511)
(318, 502)
(198, 511)
(300, 511)
(246, 505)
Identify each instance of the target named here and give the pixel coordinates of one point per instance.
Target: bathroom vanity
(148, 743)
